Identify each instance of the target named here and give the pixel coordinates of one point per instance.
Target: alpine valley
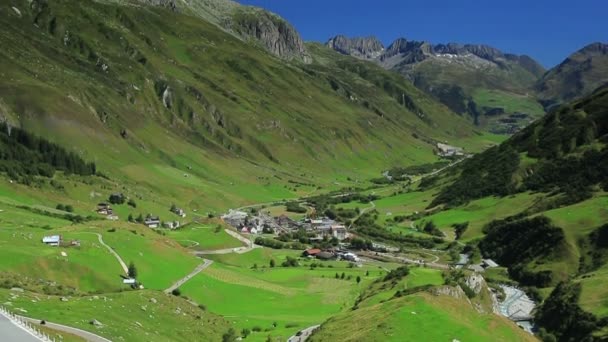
(193, 170)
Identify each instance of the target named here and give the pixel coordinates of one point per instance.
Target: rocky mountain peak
(361, 47)
(272, 32)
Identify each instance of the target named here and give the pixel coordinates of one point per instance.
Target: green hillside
(183, 111)
(546, 187)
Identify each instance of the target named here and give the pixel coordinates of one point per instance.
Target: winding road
(89, 336)
(10, 330)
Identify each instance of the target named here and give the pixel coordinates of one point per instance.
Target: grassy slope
(293, 298)
(148, 321)
(241, 123)
(435, 318)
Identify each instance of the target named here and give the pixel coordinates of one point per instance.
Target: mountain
(578, 75)
(108, 81)
(490, 86)
(269, 30)
(361, 47)
(551, 236)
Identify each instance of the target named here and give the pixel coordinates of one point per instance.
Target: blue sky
(547, 30)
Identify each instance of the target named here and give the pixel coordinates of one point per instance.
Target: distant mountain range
(490, 86)
(497, 89)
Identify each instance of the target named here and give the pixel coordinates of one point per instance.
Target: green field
(204, 237)
(480, 212)
(130, 315)
(293, 298)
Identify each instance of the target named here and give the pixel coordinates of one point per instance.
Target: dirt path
(206, 263)
(113, 252)
(123, 265)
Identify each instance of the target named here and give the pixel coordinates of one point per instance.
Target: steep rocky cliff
(361, 47)
(272, 32)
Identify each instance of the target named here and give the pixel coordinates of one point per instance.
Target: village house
(284, 221)
(235, 218)
(171, 224)
(129, 281)
(178, 211)
(339, 232)
(53, 240)
(251, 230)
(445, 150)
(152, 221)
(104, 209)
(311, 252)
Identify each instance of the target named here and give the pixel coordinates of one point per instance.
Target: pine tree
(132, 270)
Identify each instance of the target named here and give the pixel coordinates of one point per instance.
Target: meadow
(153, 316)
(203, 237)
(277, 301)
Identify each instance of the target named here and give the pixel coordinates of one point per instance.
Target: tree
(132, 203)
(140, 219)
(343, 275)
(117, 198)
(255, 266)
(131, 219)
(229, 336)
(69, 208)
(173, 208)
(272, 263)
(337, 275)
(367, 273)
(132, 270)
(245, 332)
(60, 207)
(358, 279)
(460, 228)
(176, 292)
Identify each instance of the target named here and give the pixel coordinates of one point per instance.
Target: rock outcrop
(361, 47)
(267, 29)
(274, 33)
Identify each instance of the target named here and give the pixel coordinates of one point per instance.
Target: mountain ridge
(578, 75)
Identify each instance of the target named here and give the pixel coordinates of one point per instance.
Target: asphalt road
(11, 332)
(89, 336)
(304, 334)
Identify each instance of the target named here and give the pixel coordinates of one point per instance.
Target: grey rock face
(170, 4)
(272, 32)
(362, 47)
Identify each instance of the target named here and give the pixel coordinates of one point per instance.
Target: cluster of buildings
(330, 255)
(264, 222)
